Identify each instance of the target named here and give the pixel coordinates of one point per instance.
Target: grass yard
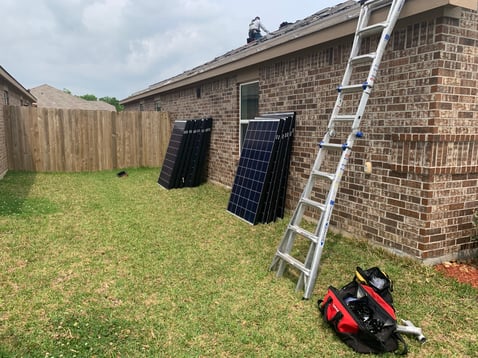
(98, 266)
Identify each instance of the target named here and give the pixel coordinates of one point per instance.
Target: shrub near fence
(70, 140)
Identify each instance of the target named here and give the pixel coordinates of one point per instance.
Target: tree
(89, 97)
(114, 102)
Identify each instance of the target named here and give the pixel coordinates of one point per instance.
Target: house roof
(50, 97)
(9, 78)
(325, 25)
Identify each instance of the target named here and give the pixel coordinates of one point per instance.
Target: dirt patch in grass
(462, 271)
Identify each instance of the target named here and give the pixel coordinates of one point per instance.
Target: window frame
(6, 98)
(243, 122)
(157, 105)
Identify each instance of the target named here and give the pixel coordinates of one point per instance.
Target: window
(157, 105)
(6, 100)
(249, 106)
(141, 106)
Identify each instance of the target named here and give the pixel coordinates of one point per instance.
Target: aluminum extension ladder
(309, 266)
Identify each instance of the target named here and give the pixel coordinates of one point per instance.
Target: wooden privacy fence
(70, 140)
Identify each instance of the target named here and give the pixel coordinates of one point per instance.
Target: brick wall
(421, 133)
(15, 98)
(3, 145)
(218, 99)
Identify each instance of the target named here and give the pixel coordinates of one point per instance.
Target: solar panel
(186, 154)
(253, 169)
(275, 201)
(185, 160)
(282, 191)
(200, 144)
(167, 177)
(260, 181)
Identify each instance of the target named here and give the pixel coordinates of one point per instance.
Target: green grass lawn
(98, 266)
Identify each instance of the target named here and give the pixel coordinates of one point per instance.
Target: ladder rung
(330, 176)
(333, 146)
(303, 232)
(353, 88)
(372, 29)
(376, 3)
(313, 203)
(294, 262)
(344, 118)
(363, 58)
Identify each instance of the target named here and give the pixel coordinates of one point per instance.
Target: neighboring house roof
(10, 79)
(326, 25)
(50, 97)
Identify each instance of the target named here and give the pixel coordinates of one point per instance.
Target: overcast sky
(117, 47)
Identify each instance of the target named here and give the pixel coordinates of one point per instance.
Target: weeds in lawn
(95, 265)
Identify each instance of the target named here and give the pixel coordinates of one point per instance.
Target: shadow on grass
(15, 197)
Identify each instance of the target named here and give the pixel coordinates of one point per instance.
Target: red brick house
(12, 93)
(421, 124)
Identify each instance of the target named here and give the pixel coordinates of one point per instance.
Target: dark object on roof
(259, 189)
(184, 163)
(284, 24)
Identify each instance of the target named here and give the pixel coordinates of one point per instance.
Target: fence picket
(40, 139)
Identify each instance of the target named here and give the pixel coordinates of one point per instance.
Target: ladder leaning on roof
(308, 268)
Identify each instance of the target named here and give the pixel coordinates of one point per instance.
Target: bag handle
(324, 308)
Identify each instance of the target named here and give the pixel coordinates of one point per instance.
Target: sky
(117, 47)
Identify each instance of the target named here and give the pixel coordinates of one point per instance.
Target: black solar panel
(185, 161)
(186, 154)
(275, 202)
(256, 191)
(168, 175)
(200, 144)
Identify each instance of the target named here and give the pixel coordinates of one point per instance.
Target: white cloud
(104, 16)
(116, 47)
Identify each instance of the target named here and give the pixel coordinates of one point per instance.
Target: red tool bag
(361, 317)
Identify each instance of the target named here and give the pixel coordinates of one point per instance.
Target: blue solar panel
(258, 192)
(253, 169)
